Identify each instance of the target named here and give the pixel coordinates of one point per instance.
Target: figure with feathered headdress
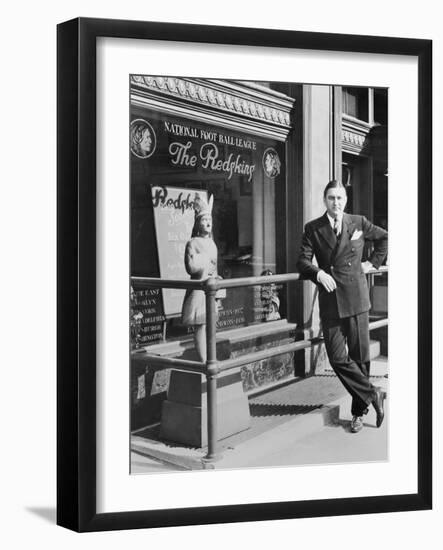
(200, 263)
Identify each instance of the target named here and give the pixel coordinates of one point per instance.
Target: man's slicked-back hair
(331, 185)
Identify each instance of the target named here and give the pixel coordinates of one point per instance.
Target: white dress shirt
(332, 222)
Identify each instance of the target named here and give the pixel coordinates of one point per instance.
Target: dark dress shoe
(356, 424)
(378, 403)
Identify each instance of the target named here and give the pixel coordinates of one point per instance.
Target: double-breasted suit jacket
(341, 258)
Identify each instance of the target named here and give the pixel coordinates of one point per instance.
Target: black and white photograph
(244, 275)
(259, 279)
(221, 296)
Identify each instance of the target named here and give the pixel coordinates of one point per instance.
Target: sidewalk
(306, 422)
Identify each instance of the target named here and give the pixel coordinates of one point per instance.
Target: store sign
(164, 198)
(146, 317)
(174, 219)
(210, 152)
(172, 160)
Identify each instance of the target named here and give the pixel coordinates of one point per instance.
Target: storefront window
(174, 158)
(355, 102)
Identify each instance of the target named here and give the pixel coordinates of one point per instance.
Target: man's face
(335, 201)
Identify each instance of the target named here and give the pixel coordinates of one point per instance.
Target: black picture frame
(76, 264)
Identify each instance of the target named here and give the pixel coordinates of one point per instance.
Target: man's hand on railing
(367, 267)
(326, 280)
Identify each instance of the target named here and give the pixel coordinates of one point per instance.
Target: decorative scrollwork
(209, 94)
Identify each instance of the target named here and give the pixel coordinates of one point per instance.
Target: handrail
(379, 323)
(148, 282)
(259, 280)
(252, 357)
(217, 284)
(183, 364)
(213, 367)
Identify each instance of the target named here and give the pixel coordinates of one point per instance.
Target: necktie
(336, 227)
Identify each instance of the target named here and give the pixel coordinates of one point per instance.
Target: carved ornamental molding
(355, 135)
(240, 106)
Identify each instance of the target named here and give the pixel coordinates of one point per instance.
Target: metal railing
(212, 367)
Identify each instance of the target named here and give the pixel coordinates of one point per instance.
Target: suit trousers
(347, 346)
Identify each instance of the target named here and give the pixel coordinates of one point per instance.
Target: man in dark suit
(337, 240)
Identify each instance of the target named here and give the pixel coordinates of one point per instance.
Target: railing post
(211, 369)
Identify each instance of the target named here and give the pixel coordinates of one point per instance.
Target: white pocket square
(356, 235)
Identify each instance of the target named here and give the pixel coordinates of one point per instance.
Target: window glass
(172, 159)
(355, 102)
